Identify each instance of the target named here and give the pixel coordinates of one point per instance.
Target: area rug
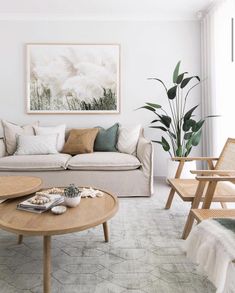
(145, 254)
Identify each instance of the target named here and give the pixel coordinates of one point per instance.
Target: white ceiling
(103, 9)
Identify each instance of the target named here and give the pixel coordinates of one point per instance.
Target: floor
(145, 254)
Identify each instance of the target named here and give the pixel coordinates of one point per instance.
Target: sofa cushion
(106, 139)
(34, 162)
(11, 131)
(104, 161)
(80, 141)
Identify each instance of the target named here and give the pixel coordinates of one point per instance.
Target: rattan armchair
(210, 184)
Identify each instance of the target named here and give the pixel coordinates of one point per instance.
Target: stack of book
(36, 206)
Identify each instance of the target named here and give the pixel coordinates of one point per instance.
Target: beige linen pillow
(11, 131)
(80, 141)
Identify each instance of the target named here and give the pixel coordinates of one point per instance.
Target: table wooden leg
(47, 264)
(106, 231)
(20, 239)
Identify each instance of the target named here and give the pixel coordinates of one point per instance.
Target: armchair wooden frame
(182, 160)
(209, 185)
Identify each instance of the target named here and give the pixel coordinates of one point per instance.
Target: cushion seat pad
(104, 161)
(34, 162)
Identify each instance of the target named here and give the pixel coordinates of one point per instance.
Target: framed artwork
(73, 78)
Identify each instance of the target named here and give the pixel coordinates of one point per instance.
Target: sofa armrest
(3, 152)
(145, 155)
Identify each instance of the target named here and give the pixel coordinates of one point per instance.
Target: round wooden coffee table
(89, 213)
(16, 186)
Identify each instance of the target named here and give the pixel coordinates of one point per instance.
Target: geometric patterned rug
(145, 254)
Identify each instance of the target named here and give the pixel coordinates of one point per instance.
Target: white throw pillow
(11, 131)
(60, 130)
(128, 138)
(36, 144)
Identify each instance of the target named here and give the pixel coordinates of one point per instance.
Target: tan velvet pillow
(80, 141)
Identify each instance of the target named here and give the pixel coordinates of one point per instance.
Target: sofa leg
(170, 199)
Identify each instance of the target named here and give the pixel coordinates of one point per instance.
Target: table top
(89, 213)
(16, 186)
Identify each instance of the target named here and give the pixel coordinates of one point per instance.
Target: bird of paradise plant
(183, 130)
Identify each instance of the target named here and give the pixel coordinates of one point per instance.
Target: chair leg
(224, 205)
(170, 199)
(188, 226)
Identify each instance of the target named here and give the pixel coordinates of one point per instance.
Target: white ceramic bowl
(58, 210)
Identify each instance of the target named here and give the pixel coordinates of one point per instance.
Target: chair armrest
(216, 178)
(3, 152)
(145, 155)
(213, 172)
(194, 158)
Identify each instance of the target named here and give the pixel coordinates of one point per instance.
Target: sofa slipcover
(34, 162)
(114, 161)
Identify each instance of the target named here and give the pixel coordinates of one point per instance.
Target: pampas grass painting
(66, 78)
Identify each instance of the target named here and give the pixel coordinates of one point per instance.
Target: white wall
(148, 49)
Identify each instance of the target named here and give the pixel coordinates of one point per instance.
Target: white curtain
(218, 75)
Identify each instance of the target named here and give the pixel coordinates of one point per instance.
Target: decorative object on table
(40, 202)
(73, 78)
(72, 196)
(59, 210)
(91, 192)
(183, 131)
(55, 190)
(40, 199)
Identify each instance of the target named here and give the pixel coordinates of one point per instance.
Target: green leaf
(188, 115)
(180, 77)
(188, 152)
(196, 138)
(147, 108)
(172, 92)
(187, 80)
(159, 127)
(179, 151)
(176, 72)
(157, 79)
(155, 120)
(189, 144)
(157, 141)
(188, 135)
(188, 124)
(156, 106)
(212, 116)
(165, 144)
(197, 126)
(166, 120)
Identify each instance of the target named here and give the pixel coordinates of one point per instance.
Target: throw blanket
(211, 244)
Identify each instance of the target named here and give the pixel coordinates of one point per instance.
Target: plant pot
(172, 168)
(72, 202)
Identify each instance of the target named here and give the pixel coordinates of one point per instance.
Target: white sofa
(119, 173)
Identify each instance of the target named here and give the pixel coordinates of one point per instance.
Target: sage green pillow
(106, 139)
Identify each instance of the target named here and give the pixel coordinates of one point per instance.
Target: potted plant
(182, 131)
(72, 196)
